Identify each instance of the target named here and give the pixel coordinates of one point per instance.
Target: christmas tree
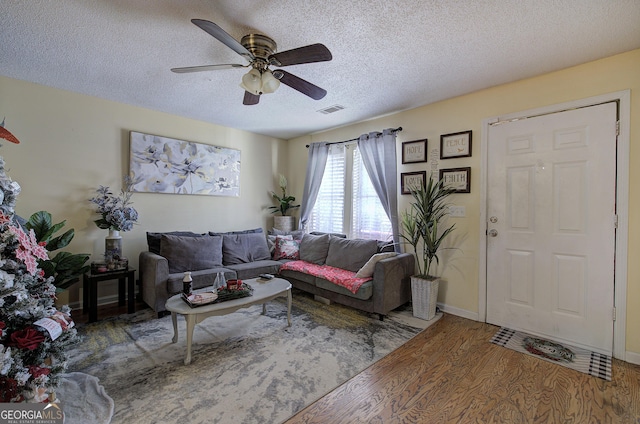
(35, 336)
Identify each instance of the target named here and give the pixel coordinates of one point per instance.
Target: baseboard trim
(632, 357)
(459, 312)
(103, 300)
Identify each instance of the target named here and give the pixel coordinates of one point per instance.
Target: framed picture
(165, 165)
(410, 180)
(457, 178)
(455, 145)
(414, 151)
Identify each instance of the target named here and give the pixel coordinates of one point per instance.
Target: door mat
(585, 361)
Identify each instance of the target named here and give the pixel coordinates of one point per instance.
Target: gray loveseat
(246, 254)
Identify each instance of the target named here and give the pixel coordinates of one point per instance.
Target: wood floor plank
(451, 373)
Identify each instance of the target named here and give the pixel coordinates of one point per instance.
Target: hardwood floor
(104, 311)
(451, 373)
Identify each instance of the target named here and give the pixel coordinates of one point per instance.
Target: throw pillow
(368, 268)
(153, 239)
(239, 248)
(186, 253)
(314, 248)
(286, 249)
(350, 254)
(271, 241)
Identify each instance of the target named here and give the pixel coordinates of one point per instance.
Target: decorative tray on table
(206, 296)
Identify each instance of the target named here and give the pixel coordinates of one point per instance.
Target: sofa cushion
(320, 233)
(187, 253)
(200, 279)
(364, 292)
(286, 249)
(238, 248)
(153, 239)
(254, 269)
(339, 276)
(350, 254)
(253, 230)
(314, 248)
(368, 268)
(386, 246)
(297, 275)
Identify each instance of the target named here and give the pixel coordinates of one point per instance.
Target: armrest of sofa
(154, 272)
(392, 283)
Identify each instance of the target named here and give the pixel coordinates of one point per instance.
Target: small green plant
(284, 201)
(66, 268)
(420, 224)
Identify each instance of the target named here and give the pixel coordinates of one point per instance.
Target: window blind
(367, 218)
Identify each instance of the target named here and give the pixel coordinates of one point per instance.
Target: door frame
(622, 204)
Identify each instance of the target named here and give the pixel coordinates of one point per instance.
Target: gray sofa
(239, 254)
(247, 254)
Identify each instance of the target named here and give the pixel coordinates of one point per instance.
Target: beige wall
(72, 143)
(460, 293)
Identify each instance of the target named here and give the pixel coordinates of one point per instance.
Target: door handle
(493, 233)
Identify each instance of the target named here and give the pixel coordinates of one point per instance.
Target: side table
(90, 290)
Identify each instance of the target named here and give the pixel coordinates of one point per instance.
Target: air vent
(331, 109)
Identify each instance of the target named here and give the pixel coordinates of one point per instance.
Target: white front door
(551, 225)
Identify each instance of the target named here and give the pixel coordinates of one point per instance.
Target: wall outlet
(457, 211)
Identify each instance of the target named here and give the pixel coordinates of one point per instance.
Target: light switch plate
(457, 211)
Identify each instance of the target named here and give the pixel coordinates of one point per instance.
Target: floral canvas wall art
(166, 165)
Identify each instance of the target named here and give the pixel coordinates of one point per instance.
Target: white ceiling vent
(331, 109)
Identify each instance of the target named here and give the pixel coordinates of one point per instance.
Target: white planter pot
(284, 223)
(424, 296)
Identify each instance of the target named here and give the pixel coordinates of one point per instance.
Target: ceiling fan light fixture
(252, 81)
(260, 51)
(269, 83)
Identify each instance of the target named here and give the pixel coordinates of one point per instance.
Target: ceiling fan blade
(307, 54)
(222, 36)
(250, 99)
(188, 69)
(297, 83)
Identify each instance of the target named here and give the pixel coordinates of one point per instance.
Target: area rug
(576, 358)
(246, 367)
(84, 399)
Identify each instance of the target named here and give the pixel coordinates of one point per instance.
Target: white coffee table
(263, 291)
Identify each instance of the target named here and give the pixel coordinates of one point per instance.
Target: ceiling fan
(259, 51)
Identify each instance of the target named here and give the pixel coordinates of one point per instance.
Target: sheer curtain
(318, 153)
(379, 157)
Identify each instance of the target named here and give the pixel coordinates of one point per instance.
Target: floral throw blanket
(341, 277)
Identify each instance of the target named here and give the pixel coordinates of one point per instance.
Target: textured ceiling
(387, 55)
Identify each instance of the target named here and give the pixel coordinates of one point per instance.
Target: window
(347, 202)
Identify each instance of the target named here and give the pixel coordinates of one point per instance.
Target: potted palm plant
(422, 230)
(65, 268)
(285, 203)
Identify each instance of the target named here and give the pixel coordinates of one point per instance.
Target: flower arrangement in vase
(116, 215)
